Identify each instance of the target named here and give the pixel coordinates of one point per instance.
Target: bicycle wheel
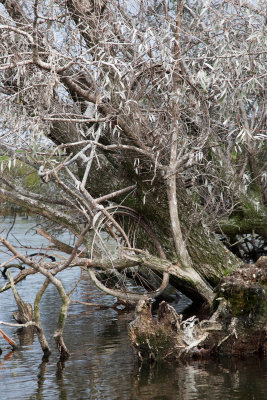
(111, 237)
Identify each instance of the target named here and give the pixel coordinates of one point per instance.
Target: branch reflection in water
(102, 365)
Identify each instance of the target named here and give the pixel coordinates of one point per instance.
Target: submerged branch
(189, 281)
(7, 338)
(25, 312)
(40, 332)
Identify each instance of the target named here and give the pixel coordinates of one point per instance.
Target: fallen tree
(136, 114)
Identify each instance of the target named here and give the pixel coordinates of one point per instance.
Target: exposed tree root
(238, 326)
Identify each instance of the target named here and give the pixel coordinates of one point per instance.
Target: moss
(244, 302)
(32, 180)
(228, 271)
(28, 175)
(23, 174)
(250, 216)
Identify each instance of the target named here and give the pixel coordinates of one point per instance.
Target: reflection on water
(102, 365)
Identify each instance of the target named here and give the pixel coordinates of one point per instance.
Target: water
(102, 365)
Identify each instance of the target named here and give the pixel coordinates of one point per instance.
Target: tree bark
(250, 216)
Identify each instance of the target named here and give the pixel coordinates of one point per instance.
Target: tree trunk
(210, 258)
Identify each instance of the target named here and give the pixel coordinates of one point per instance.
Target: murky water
(102, 364)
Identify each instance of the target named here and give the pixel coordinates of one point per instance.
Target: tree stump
(237, 326)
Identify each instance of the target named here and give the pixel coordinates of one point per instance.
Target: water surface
(102, 364)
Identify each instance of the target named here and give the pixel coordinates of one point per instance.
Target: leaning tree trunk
(210, 258)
